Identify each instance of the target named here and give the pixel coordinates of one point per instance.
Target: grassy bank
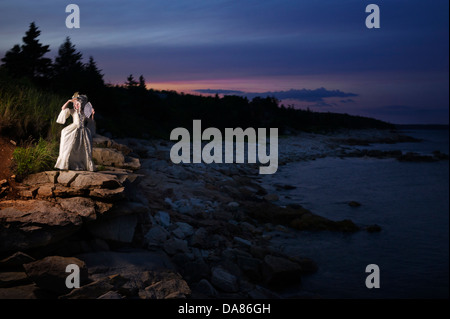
(28, 111)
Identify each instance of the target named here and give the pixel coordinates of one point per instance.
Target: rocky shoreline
(141, 227)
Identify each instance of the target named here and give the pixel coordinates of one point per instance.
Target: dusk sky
(317, 54)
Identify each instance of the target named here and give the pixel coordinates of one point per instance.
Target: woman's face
(76, 104)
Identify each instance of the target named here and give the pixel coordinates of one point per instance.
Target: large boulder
(105, 142)
(26, 224)
(223, 280)
(108, 157)
(50, 273)
(118, 228)
(280, 272)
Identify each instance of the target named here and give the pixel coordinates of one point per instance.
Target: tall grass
(28, 115)
(33, 157)
(26, 111)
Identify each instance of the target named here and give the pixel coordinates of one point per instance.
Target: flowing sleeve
(63, 115)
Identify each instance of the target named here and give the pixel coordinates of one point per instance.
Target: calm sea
(410, 201)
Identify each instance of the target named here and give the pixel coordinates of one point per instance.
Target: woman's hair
(83, 100)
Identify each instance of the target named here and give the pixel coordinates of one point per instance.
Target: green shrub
(34, 157)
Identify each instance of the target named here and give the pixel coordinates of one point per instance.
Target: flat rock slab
(10, 279)
(85, 207)
(67, 177)
(126, 263)
(95, 180)
(15, 261)
(26, 224)
(41, 178)
(19, 292)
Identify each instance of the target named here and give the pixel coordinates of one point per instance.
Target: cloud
(219, 91)
(316, 96)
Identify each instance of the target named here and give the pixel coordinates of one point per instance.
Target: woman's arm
(65, 104)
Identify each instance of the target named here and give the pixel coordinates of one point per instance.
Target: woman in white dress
(75, 149)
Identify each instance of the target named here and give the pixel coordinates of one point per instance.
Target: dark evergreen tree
(68, 59)
(94, 77)
(131, 82)
(12, 61)
(28, 59)
(68, 68)
(142, 82)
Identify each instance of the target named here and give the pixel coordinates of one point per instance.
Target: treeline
(131, 109)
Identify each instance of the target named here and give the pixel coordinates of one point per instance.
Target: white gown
(75, 149)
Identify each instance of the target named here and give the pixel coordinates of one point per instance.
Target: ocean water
(409, 201)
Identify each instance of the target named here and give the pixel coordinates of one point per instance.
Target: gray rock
(19, 292)
(108, 194)
(30, 192)
(30, 224)
(280, 272)
(41, 178)
(183, 230)
(162, 218)
(117, 228)
(201, 238)
(173, 288)
(108, 156)
(157, 235)
(50, 273)
(45, 190)
(130, 263)
(95, 289)
(175, 245)
(16, 260)
(111, 295)
(200, 253)
(242, 241)
(10, 279)
(233, 204)
(123, 208)
(205, 288)
(65, 178)
(90, 180)
(223, 280)
(251, 267)
(132, 163)
(63, 191)
(84, 207)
